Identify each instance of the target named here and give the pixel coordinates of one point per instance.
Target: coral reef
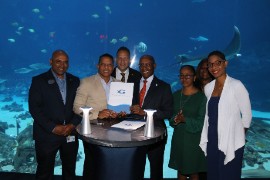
(14, 107)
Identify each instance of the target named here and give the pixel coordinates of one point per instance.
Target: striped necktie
(123, 77)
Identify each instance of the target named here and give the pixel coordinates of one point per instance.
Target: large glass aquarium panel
(175, 32)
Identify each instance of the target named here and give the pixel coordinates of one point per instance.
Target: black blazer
(47, 108)
(158, 97)
(133, 76)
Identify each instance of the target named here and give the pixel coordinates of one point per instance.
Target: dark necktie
(142, 92)
(123, 77)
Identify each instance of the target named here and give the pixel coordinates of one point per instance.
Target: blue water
(32, 29)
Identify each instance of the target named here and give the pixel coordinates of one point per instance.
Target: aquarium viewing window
(174, 32)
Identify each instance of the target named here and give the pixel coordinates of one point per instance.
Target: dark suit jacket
(134, 75)
(47, 108)
(158, 97)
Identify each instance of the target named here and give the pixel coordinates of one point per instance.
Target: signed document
(120, 97)
(129, 125)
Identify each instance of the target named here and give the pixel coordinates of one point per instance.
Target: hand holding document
(120, 97)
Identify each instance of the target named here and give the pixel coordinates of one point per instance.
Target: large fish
(231, 51)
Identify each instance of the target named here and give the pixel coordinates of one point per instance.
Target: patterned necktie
(123, 77)
(142, 92)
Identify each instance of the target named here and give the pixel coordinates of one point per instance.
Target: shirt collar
(57, 78)
(150, 79)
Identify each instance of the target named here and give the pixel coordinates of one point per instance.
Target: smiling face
(122, 60)
(105, 68)
(59, 64)
(217, 66)
(147, 67)
(204, 73)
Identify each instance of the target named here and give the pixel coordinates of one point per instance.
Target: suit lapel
(69, 84)
(152, 88)
(54, 86)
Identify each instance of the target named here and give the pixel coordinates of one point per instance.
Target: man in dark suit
(122, 71)
(158, 96)
(51, 97)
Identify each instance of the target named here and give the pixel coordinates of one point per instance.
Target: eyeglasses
(215, 64)
(186, 76)
(145, 65)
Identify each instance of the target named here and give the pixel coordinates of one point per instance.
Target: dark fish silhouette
(231, 51)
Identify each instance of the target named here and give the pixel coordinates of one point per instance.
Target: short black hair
(123, 48)
(189, 67)
(147, 56)
(217, 53)
(105, 55)
(59, 51)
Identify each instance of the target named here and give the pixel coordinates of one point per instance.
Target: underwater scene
(175, 32)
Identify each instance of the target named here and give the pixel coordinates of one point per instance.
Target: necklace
(182, 103)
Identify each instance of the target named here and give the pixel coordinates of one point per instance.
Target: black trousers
(155, 155)
(46, 153)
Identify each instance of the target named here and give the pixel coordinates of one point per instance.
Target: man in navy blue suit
(158, 96)
(51, 97)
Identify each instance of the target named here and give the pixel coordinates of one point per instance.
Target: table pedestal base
(103, 163)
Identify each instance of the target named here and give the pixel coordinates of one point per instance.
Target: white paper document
(129, 125)
(120, 97)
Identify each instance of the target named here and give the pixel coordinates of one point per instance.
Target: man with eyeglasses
(153, 93)
(94, 92)
(123, 71)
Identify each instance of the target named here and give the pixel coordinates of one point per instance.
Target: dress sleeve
(194, 122)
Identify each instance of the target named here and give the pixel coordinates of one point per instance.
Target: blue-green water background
(31, 29)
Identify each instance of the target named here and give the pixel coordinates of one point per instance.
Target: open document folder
(120, 97)
(129, 125)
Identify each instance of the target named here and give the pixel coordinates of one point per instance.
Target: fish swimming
(199, 38)
(123, 39)
(35, 10)
(23, 70)
(95, 16)
(2, 81)
(11, 40)
(113, 41)
(37, 66)
(231, 51)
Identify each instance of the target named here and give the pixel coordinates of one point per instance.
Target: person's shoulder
(135, 74)
(233, 80)
(89, 78)
(131, 70)
(200, 94)
(42, 75)
(177, 92)
(236, 84)
(71, 76)
(161, 82)
(208, 87)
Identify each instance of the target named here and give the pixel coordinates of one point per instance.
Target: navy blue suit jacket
(158, 97)
(47, 107)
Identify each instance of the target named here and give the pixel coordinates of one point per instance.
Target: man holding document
(94, 92)
(153, 93)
